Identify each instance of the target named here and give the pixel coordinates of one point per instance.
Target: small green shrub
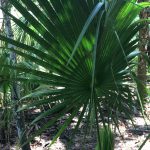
(106, 139)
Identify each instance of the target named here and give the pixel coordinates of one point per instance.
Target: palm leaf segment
(91, 72)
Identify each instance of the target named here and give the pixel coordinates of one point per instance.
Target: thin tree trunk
(15, 90)
(3, 139)
(143, 47)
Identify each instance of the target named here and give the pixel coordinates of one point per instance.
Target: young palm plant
(85, 54)
(106, 139)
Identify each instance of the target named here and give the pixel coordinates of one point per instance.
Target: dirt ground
(129, 139)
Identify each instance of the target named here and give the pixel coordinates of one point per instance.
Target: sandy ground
(130, 139)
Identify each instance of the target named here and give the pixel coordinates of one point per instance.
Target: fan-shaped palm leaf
(86, 50)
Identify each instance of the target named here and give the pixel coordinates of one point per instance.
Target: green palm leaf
(86, 47)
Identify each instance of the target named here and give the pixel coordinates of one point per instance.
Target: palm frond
(80, 52)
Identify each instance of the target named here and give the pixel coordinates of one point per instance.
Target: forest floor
(130, 138)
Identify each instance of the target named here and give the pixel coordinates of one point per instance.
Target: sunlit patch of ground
(133, 137)
(130, 139)
(44, 145)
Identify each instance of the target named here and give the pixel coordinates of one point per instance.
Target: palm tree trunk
(15, 90)
(143, 47)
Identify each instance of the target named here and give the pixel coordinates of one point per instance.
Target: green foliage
(106, 139)
(84, 57)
